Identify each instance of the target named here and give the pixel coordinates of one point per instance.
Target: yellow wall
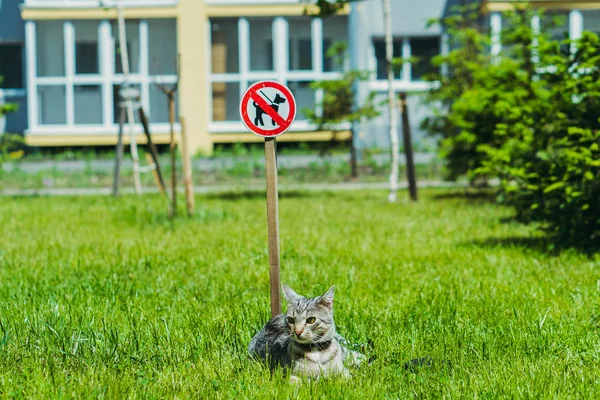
(506, 5)
(194, 89)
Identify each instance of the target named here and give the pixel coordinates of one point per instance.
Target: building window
(291, 50)
(224, 46)
(261, 44)
(50, 51)
(379, 45)
(11, 66)
(300, 44)
(422, 48)
(132, 27)
(52, 105)
(591, 21)
(334, 30)
(79, 70)
(86, 47)
(88, 104)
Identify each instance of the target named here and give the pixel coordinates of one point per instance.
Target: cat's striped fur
(304, 339)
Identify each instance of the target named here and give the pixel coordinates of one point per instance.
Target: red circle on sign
(251, 95)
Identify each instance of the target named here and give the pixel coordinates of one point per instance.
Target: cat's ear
(327, 299)
(290, 295)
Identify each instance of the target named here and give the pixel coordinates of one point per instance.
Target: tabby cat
(304, 339)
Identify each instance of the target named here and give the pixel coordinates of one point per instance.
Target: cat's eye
(310, 320)
(290, 320)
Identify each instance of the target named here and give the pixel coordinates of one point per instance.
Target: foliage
(549, 162)
(8, 142)
(326, 8)
(105, 298)
(6, 107)
(466, 60)
(528, 116)
(338, 103)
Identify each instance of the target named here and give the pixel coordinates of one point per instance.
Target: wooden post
(173, 146)
(408, 149)
(150, 161)
(152, 148)
(273, 225)
(119, 155)
(187, 168)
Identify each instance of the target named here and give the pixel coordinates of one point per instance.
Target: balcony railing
(97, 3)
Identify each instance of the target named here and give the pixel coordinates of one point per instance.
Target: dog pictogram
(258, 118)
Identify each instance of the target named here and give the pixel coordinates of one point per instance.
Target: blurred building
(61, 62)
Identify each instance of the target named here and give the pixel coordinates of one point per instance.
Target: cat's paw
(295, 380)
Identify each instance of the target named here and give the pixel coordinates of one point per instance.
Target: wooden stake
(119, 157)
(173, 147)
(152, 148)
(408, 149)
(149, 160)
(273, 225)
(187, 169)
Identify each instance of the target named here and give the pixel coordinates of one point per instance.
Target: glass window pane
(224, 45)
(88, 104)
(591, 21)
(304, 95)
(225, 101)
(132, 30)
(52, 105)
(11, 66)
(50, 49)
(162, 43)
(424, 49)
(335, 29)
(117, 100)
(86, 47)
(159, 105)
(379, 45)
(300, 50)
(261, 44)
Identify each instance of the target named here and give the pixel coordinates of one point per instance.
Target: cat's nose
(298, 333)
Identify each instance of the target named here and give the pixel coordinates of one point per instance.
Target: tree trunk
(408, 149)
(387, 21)
(173, 148)
(353, 161)
(130, 116)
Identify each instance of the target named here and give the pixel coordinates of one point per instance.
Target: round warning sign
(268, 108)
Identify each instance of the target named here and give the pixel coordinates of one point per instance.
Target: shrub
(550, 166)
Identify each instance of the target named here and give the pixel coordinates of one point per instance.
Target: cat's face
(309, 320)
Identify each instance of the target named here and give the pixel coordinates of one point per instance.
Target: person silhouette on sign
(258, 116)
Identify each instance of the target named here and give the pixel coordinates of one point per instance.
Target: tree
(338, 104)
(8, 142)
(466, 60)
(394, 144)
(330, 7)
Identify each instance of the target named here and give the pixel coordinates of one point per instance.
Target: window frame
(405, 82)
(105, 78)
(281, 69)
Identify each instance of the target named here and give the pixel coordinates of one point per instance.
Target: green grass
(105, 298)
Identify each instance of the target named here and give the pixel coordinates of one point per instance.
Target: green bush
(529, 117)
(550, 165)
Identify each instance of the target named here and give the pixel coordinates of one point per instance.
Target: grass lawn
(104, 298)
